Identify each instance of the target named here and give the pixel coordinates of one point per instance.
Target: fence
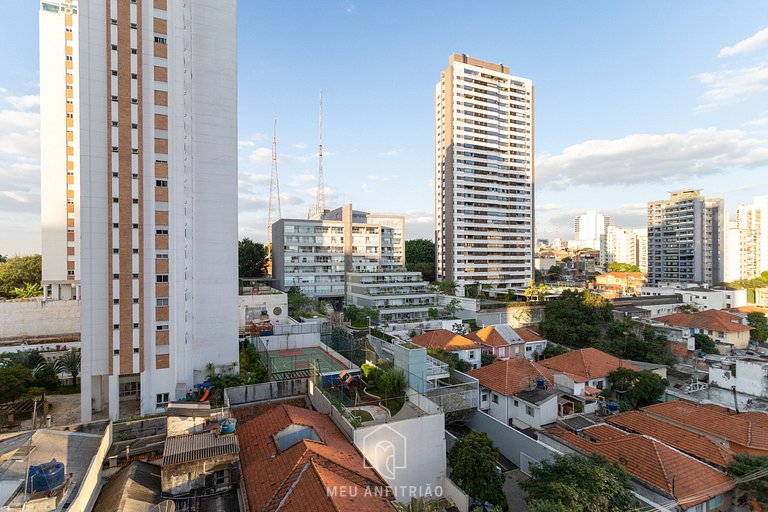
(266, 391)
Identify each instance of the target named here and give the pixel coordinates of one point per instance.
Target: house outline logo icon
(385, 447)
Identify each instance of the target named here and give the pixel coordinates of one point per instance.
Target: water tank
(613, 407)
(227, 426)
(541, 382)
(45, 477)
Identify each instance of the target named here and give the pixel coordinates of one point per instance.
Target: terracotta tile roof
(445, 339)
(623, 275)
(528, 335)
(747, 309)
(586, 363)
(298, 475)
(749, 430)
(693, 444)
(688, 480)
(710, 319)
(489, 337)
(511, 376)
(603, 432)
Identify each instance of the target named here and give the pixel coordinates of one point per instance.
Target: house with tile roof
(504, 341)
(659, 473)
(466, 349)
(727, 330)
(619, 284)
(745, 432)
(583, 374)
(517, 392)
(295, 459)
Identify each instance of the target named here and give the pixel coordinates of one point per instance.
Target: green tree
(446, 287)
(46, 378)
(687, 308)
(622, 267)
(29, 359)
(298, 303)
(759, 325)
(252, 258)
(755, 489)
(16, 382)
(69, 363)
(433, 313)
(637, 388)
(472, 461)
(420, 257)
(572, 483)
(28, 291)
(453, 306)
(705, 344)
(576, 318)
(19, 271)
(536, 292)
(552, 350)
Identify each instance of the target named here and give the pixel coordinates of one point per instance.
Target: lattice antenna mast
(320, 206)
(274, 187)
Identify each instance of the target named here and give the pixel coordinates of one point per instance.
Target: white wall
(513, 407)
(34, 317)
(471, 356)
(270, 302)
(415, 446)
(751, 377)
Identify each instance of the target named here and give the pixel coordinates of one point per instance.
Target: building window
(115, 301)
(115, 251)
(471, 354)
(220, 478)
(114, 47)
(494, 398)
(135, 326)
(163, 302)
(134, 51)
(162, 400)
(162, 278)
(115, 326)
(529, 410)
(129, 388)
(116, 276)
(160, 40)
(161, 183)
(162, 327)
(163, 231)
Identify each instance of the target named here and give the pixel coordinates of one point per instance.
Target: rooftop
(301, 474)
(511, 376)
(135, 488)
(710, 319)
(696, 445)
(748, 430)
(586, 364)
(688, 480)
(192, 447)
(444, 339)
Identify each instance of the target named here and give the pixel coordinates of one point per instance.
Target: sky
(633, 99)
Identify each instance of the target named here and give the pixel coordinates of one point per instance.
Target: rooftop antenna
(320, 205)
(274, 187)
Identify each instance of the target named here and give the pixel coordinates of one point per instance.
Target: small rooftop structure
(511, 376)
(194, 447)
(586, 364)
(710, 319)
(135, 488)
(444, 339)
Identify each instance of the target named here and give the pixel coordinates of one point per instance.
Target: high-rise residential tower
(589, 227)
(686, 236)
(139, 194)
(484, 175)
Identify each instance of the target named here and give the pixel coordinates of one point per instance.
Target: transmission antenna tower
(320, 205)
(274, 187)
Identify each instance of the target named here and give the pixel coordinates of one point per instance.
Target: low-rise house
(745, 432)
(518, 392)
(466, 349)
(295, 459)
(658, 472)
(702, 297)
(504, 341)
(583, 374)
(619, 284)
(761, 297)
(727, 330)
(693, 443)
(398, 295)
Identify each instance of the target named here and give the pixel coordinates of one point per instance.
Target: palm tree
(29, 358)
(69, 363)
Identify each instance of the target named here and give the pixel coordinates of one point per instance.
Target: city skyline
(601, 86)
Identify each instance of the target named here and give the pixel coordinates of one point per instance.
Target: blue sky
(633, 99)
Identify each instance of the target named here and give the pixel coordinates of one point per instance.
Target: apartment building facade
(399, 296)
(484, 175)
(316, 255)
(139, 137)
(686, 236)
(590, 227)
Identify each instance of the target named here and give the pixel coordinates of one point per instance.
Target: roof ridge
(290, 481)
(670, 485)
(349, 474)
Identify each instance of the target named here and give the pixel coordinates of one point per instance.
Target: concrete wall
(456, 495)
(266, 391)
(751, 377)
(87, 494)
(517, 316)
(185, 477)
(33, 317)
(511, 443)
(276, 305)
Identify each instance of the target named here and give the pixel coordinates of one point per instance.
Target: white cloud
(393, 152)
(746, 45)
(241, 144)
(758, 122)
(302, 179)
(732, 85)
(299, 145)
(548, 207)
(23, 102)
(647, 158)
(261, 156)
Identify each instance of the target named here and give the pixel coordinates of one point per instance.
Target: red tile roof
(489, 337)
(624, 275)
(527, 334)
(688, 480)
(586, 364)
(694, 444)
(300, 475)
(749, 430)
(511, 376)
(747, 309)
(444, 339)
(710, 319)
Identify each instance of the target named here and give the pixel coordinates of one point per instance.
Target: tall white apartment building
(139, 191)
(315, 255)
(484, 174)
(618, 245)
(589, 227)
(686, 236)
(642, 249)
(752, 223)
